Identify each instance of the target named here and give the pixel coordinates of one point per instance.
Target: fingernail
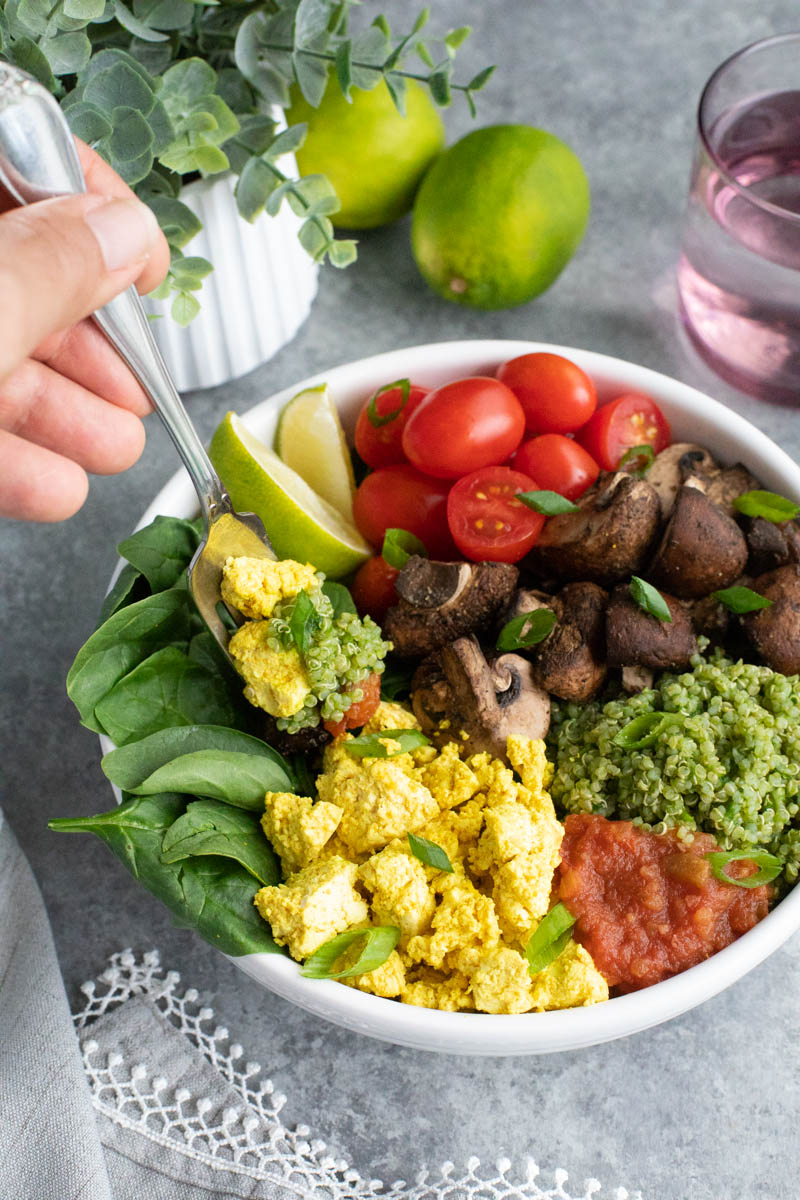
(125, 231)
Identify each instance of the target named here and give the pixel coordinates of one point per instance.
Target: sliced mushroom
(605, 540)
(635, 639)
(487, 701)
(570, 662)
(674, 466)
(636, 679)
(775, 632)
(702, 549)
(526, 600)
(442, 601)
(769, 545)
(727, 484)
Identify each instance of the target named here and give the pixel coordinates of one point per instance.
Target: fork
(38, 160)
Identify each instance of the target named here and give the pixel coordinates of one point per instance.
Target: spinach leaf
(211, 895)
(238, 779)
(396, 680)
(130, 585)
(130, 765)
(210, 827)
(165, 690)
(125, 639)
(339, 597)
(161, 551)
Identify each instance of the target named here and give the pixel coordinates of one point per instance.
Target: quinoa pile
(728, 765)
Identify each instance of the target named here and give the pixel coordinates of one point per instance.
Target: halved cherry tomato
(462, 426)
(558, 464)
(401, 497)
(556, 395)
(486, 520)
(373, 589)
(380, 424)
(359, 713)
(629, 420)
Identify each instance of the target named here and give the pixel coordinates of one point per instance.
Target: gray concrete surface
(701, 1109)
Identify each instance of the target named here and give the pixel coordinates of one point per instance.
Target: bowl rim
(567, 1029)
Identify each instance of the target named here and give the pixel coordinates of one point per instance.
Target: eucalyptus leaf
(184, 308)
(25, 53)
(211, 827)
(254, 187)
(119, 86)
(67, 53)
(131, 137)
(88, 123)
(133, 25)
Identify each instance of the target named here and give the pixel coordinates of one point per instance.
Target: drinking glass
(739, 270)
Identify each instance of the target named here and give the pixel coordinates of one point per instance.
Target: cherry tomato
(401, 497)
(629, 420)
(373, 588)
(556, 395)
(462, 426)
(558, 464)
(486, 520)
(359, 713)
(380, 424)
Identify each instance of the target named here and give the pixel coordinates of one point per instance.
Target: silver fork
(38, 160)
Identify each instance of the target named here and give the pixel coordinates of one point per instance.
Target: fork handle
(38, 160)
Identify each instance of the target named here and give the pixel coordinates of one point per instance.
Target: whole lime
(373, 156)
(499, 215)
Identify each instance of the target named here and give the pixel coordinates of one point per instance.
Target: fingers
(36, 484)
(40, 406)
(84, 355)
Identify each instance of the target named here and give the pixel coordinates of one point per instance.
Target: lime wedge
(311, 441)
(300, 524)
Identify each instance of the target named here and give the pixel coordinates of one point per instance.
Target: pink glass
(739, 271)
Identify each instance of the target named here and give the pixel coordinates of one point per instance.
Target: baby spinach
(339, 597)
(210, 895)
(130, 585)
(161, 551)
(129, 766)
(167, 689)
(238, 779)
(211, 827)
(396, 680)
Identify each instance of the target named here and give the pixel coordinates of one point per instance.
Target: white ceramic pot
(254, 301)
(694, 417)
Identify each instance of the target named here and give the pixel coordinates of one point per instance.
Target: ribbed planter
(255, 300)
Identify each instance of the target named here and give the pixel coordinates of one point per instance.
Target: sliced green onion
(768, 505)
(526, 630)
(398, 547)
(548, 503)
(429, 853)
(370, 745)
(769, 866)
(650, 599)
(645, 452)
(379, 942)
(377, 419)
(549, 938)
(304, 622)
(741, 599)
(642, 731)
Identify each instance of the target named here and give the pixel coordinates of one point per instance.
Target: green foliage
(169, 91)
(209, 827)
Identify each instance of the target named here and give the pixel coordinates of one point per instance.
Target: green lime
(499, 215)
(301, 525)
(311, 441)
(373, 156)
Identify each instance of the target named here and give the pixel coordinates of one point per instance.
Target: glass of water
(739, 271)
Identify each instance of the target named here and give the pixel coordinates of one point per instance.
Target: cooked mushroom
(673, 466)
(710, 618)
(702, 549)
(636, 679)
(487, 701)
(727, 484)
(441, 601)
(635, 639)
(526, 600)
(570, 662)
(770, 546)
(305, 741)
(605, 540)
(775, 631)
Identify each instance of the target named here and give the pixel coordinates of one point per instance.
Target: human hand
(68, 403)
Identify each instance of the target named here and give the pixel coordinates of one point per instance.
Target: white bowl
(694, 417)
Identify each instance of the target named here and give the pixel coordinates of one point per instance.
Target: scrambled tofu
(462, 933)
(276, 680)
(254, 586)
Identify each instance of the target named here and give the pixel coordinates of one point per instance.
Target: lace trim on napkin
(255, 1142)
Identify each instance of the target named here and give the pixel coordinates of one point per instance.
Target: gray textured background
(704, 1107)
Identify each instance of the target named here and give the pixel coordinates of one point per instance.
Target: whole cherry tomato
(380, 424)
(462, 426)
(360, 712)
(487, 521)
(629, 420)
(556, 395)
(373, 589)
(558, 464)
(401, 497)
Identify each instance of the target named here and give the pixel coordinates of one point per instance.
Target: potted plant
(185, 99)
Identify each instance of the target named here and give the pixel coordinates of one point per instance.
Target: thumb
(61, 259)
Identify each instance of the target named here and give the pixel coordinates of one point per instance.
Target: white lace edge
(253, 1141)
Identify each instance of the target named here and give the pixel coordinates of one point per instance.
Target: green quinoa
(730, 766)
(342, 650)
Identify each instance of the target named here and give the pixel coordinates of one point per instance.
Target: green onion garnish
(526, 630)
(379, 942)
(429, 853)
(377, 419)
(371, 745)
(304, 622)
(398, 547)
(650, 599)
(548, 503)
(549, 938)
(768, 505)
(644, 452)
(769, 866)
(741, 599)
(642, 731)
